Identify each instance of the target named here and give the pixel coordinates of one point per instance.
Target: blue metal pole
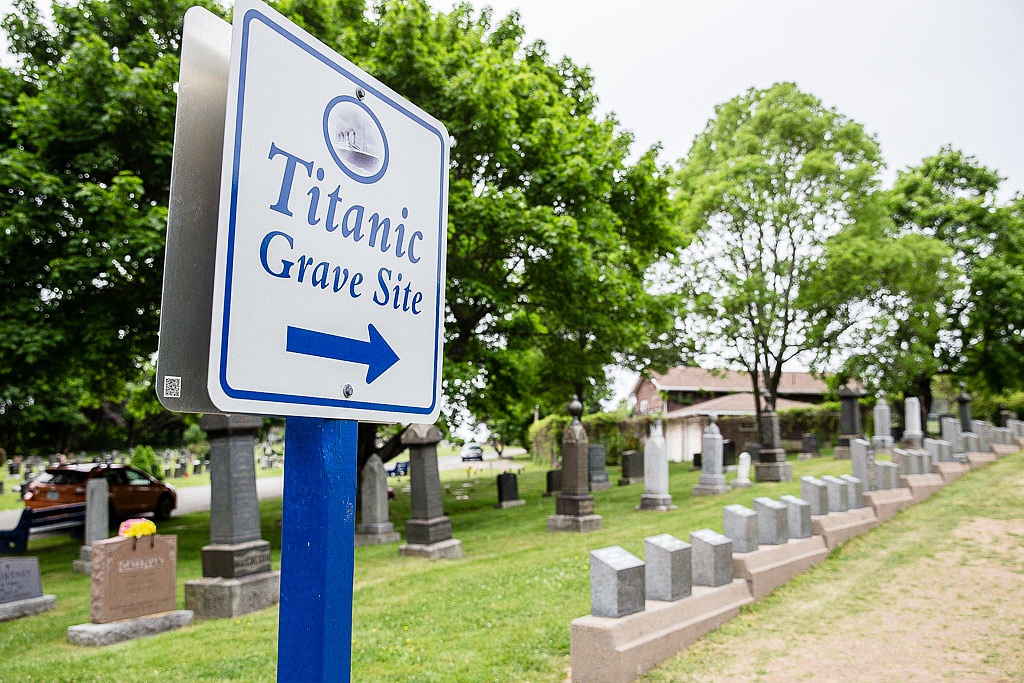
(317, 550)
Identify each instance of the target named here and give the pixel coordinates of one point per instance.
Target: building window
(644, 407)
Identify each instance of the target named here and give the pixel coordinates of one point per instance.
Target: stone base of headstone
(922, 486)
(770, 566)
(501, 505)
(609, 650)
(839, 527)
(773, 471)
(914, 441)
(806, 456)
(841, 453)
(129, 629)
(220, 598)
(27, 607)
(443, 550)
(659, 503)
(888, 502)
(976, 460)
(741, 484)
(950, 471)
(575, 523)
(601, 485)
(710, 489)
(235, 560)
(626, 481)
(83, 565)
(428, 531)
(1002, 449)
(377, 539)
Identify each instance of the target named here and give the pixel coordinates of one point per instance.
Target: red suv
(132, 491)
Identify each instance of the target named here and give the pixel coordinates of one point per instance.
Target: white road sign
(329, 278)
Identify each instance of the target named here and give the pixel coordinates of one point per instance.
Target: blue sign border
(293, 399)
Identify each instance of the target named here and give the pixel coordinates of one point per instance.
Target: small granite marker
(815, 492)
(772, 521)
(616, 583)
(742, 480)
(798, 516)
(711, 558)
(740, 524)
(375, 527)
(668, 568)
(21, 588)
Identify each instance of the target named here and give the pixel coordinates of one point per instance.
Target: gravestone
(809, 446)
(771, 464)
(742, 480)
(428, 533)
(21, 589)
(574, 507)
(237, 575)
(754, 448)
(849, 420)
(711, 558)
(375, 526)
(964, 409)
(596, 471)
(97, 521)
(951, 432)
(798, 516)
(863, 464)
(772, 521)
(656, 495)
(882, 440)
(508, 491)
(838, 494)
(728, 454)
(1006, 417)
(616, 582)
(854, 491)
(668, 570)
(972, 442)
(632, 468)
(888, 476)
(133, 591)
(815, 492)
(740, 524)
(931, 446)
(912, 432)
(712, 475)
(553, 483)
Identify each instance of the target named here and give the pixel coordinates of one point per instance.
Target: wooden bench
(45, 519)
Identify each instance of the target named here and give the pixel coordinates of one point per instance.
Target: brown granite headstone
(133, 577)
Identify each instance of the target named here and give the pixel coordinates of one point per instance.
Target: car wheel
(163, 508)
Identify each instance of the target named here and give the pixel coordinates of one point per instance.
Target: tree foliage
(773, 176)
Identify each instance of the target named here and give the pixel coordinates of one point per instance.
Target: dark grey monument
(596, 467)
(429, 532)
(964, 408)
(574, 507)
(632, 468)
(554, 483)
(849, 420)
(21, 589)
(508, 491)
(771, 463)
(237, 576)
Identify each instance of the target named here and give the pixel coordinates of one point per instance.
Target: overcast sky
(917, 74)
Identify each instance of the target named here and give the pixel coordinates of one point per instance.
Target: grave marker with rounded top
(656, 495)
(882, 440)
(375, 527)
(742, 480)
(912, 432)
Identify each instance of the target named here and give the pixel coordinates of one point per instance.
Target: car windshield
(67, 477)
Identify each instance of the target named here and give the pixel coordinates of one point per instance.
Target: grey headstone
(596, 471)
(427, 526)
(854, 491)
(912, 433)
(951, 432)
(668, 567)
(972, 442)
(815, 492)
(616, 583)
(882, 439)
(931, 446)
(19, 579)
(741, 526)
(798, 516)
(375, 499)
(862, 461)
(809, 444)
(838, 494)
(711, 463)
(772, 521)
(888, 476)
(712, 558)
(742, 479)
(656, 495)
(97, 510)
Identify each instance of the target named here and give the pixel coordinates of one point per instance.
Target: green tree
(773, 176)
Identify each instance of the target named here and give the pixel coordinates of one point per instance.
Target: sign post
(321, 294)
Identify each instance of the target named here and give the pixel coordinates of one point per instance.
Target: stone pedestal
(771, 566)
(574, 507)
(428, 533)
(235, 551)
(129, 629)
(771, 464)
(839, 527)
(888, 502)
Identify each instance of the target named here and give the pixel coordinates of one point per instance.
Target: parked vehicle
(472, 451)
(132, 491)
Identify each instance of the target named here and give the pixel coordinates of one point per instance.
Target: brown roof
(730, 381)
(733, 404)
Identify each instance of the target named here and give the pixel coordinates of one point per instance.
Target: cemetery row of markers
(645, 611)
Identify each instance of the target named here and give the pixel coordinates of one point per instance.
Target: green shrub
(144, 458)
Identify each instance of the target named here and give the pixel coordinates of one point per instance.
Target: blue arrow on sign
(376, 353)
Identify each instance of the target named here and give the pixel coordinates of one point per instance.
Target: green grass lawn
(501, 613)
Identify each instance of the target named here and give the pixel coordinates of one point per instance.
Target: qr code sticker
(172, 387)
